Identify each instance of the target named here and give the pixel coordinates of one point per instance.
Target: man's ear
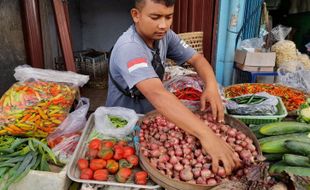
(135, 14)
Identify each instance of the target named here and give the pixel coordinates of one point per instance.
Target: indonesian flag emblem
(136, 64)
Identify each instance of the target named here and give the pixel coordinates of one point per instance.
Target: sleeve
(133, 63)
(178, 50)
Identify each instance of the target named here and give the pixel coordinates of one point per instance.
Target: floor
(96, 96)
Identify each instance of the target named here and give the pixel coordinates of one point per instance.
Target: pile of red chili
(188, 94)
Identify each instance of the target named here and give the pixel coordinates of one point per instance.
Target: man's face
(153, 20)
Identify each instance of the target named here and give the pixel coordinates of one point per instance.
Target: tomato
(124, 164)
(82, 163)
(122, 143)
(112, 166)
(118, 153)
(141, 176)
(128, 151)
(91, 153)
(105, 153)
(108, 143)
(141, 182)
(96, 164)
(86, 173)
(123, 175)
(133, 159)
(101, 175)
(95, 144)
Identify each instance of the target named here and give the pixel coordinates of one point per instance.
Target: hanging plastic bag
(253, 104)
(285, 49)
(33, 107)
(64, 140)
(105, 117)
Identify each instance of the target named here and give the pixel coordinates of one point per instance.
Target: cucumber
(292, 136)
(273, 157)
(277, 145)
(280, 128)
(297, 147)
(280, 167)
(296, 160)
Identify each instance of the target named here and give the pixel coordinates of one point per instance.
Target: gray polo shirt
(130, 63)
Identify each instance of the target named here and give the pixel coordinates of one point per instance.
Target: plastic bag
(35, 108)
(75, 122)
(104, 125)
(66, 137)
(25, 72)
(285, 49)
(266, 106)
(294, 75)
(187, 88)
(254, 43)
(173, 71)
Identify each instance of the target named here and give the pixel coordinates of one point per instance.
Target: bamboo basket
(170, 184)
(193, 39)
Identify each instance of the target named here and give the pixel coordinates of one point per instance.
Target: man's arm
(169, 106)
(210, 92)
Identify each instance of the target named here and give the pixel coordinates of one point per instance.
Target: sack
(104, 125)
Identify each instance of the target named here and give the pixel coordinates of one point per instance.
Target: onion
(173, 160)
(193, 162)
(161, 165)
(232, 132)
(211, 181)
(154, 146)
(244, 144)
(169, 166)
(186, 150)
(206, 173)
(251, 147)
(238, 148)
(248, 140)
(198, 165)
(163, 137)
(221, 172)
(186, 174)
(154, 162)
(163, 158)
(155, 153)
(178, 167)
(245, 154)
(171, 152)
(185, 161)
(197, 152)
(200, 180)
(178, 152)
(196, 172)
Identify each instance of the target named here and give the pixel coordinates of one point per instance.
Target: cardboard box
(254, 68)
(255, 59)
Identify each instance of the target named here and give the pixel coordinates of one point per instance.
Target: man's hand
(211, 94)
(220, 152)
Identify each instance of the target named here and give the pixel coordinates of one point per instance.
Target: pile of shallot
(180, 155)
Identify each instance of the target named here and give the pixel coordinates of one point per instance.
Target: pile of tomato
(110, 157)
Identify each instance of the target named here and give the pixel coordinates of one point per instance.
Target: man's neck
(147, 41)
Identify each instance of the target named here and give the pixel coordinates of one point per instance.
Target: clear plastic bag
(255, 43)
(104, 125)
(187, 88)
(265, 107)
(25, 72)
(35, 108)
(294, 76)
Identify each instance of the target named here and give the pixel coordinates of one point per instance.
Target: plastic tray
(257, 120)
(73, 171)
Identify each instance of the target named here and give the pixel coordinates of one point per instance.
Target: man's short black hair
(168, 3)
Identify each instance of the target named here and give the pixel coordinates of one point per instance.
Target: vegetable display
(19, 155)
(35, 108)
(291, 98)
(287, 144)
(180, 156)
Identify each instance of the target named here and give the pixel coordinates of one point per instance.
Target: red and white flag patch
(136, 64)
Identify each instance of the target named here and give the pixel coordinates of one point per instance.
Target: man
(135, 77)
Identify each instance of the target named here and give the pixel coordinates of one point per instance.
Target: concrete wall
(98, 23)
(12, 49)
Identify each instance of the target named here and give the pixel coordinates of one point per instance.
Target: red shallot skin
(180, 156)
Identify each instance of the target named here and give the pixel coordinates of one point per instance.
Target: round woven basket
(171, 184)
